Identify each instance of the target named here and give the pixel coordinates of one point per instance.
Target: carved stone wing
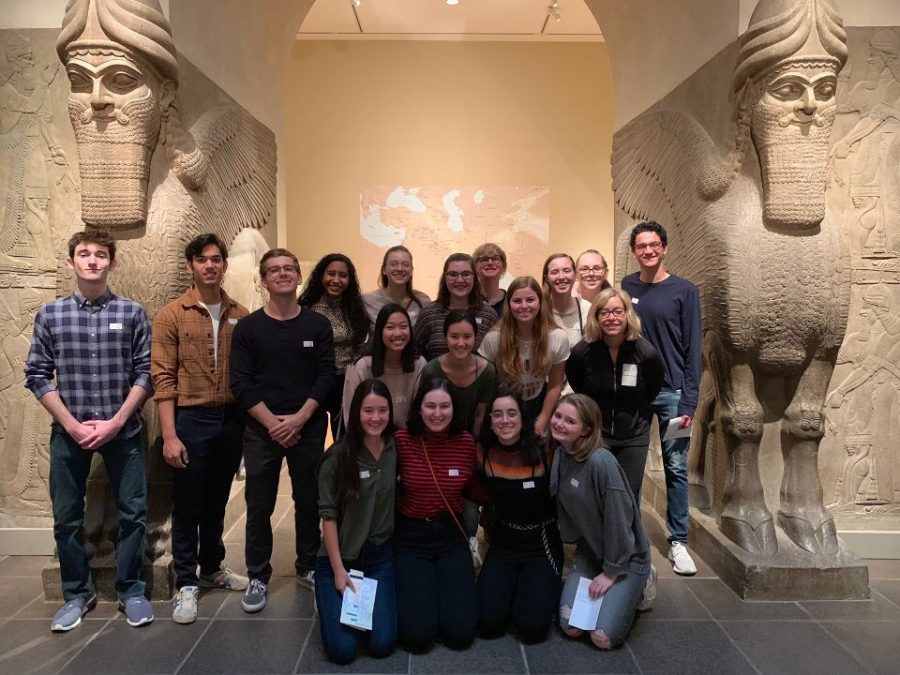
(239, 191)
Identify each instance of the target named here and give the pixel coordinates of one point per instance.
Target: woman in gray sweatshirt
(598, 512)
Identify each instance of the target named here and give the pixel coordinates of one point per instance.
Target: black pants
(262, 461)
(212, 437)
(332, 404)
(518, 590)
(632, 459)
(435, 585)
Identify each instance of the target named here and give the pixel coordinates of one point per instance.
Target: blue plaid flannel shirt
(98, 351)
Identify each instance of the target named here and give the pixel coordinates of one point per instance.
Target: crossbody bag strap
(441, 492)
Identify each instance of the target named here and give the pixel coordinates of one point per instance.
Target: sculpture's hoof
(820, 540)
(760, 539)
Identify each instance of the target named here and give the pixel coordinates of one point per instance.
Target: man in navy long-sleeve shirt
(669, 308)
(282, 368)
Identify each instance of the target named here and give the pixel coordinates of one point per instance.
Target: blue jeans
(619, 603)
(675, 465)
(340, 641)
(212, 437)
(69, 468)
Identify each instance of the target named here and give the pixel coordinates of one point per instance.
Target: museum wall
(471, 114)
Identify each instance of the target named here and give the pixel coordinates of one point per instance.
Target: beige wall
(446, 114)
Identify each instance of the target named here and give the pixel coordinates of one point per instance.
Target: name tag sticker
(573, 482)
(634, 301)
(528, 485)
(308, 343)
(453, 472)
(363, 474)
(232, 321)
(629, 375)
(115, 326)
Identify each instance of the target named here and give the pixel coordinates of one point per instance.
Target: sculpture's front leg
(802, 514)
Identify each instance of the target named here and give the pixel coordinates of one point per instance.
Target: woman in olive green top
(357, 479)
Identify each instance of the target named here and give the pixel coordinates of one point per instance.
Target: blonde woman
(598, 512)
(529, 350)
(569, 312)
(592, 269)
(623, 373)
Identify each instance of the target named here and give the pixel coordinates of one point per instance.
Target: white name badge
(308, 343)
(453, 472)
(635, 301)
(115, 326)
(528, 485)
(574, 482)
(363, 474)
(232, 321)
(629, 375)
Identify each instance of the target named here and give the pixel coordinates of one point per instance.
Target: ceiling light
(452, 2)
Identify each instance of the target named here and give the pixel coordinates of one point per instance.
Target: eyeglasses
(488, 259)
(508, 414)
(596, 269)
(459, 275)
(617, 312)
(399, 265)
(275, 270)
(651, 246)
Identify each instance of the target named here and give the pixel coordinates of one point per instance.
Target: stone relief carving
(860, 456)
(38, 204)
(749, 225)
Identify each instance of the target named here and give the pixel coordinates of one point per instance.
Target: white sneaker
(682, 563)
(185, 605)
(649, 594)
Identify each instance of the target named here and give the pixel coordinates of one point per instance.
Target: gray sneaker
(185, 605)
(649, 594)
(254, 599)
(138, 610)
(225, 578)
(70, 614)
(307, 579)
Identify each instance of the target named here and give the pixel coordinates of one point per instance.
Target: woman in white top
(528, 350)
(592, 269)
(569, 312)
(391, 359)
(396, 285)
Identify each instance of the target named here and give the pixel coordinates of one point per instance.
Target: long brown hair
(508, 362)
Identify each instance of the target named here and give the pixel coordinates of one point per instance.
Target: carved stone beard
(793, 163)
(114, 157)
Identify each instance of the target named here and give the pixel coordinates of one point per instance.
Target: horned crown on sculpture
(123, 70)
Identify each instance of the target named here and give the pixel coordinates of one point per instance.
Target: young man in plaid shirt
(201, 425)
(98, 347)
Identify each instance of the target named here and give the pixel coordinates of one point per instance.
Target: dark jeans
(435, 585)
(632, 459)
(200, 491)
(517, 589)
(263, 458)
(69, 468)
(332, 405)
(340, 641)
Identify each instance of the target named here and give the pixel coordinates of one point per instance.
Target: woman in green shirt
(356, 503)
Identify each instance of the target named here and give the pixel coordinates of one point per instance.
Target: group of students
(534, 402)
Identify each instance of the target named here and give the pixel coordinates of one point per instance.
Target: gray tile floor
(697, 626)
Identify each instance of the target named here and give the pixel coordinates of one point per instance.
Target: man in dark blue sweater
(669, 308)
(282, 368)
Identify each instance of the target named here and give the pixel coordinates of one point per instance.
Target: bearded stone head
(123, 72)
(787, 74)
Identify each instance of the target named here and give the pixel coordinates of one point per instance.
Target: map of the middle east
(435, 221)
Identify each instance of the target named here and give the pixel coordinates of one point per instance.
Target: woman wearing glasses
(569, 312)
(519, 582)
(459, 289)
(591, 268)
(490, 264)
(623, 373)
(395, 285)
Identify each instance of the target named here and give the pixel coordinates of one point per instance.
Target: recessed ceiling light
(452, 2)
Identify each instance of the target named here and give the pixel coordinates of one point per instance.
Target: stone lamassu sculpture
(152, 182)
(754, 234)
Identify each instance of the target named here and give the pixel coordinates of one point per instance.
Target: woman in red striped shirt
(435, 579)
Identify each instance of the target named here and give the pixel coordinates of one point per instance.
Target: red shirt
(453, 461)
